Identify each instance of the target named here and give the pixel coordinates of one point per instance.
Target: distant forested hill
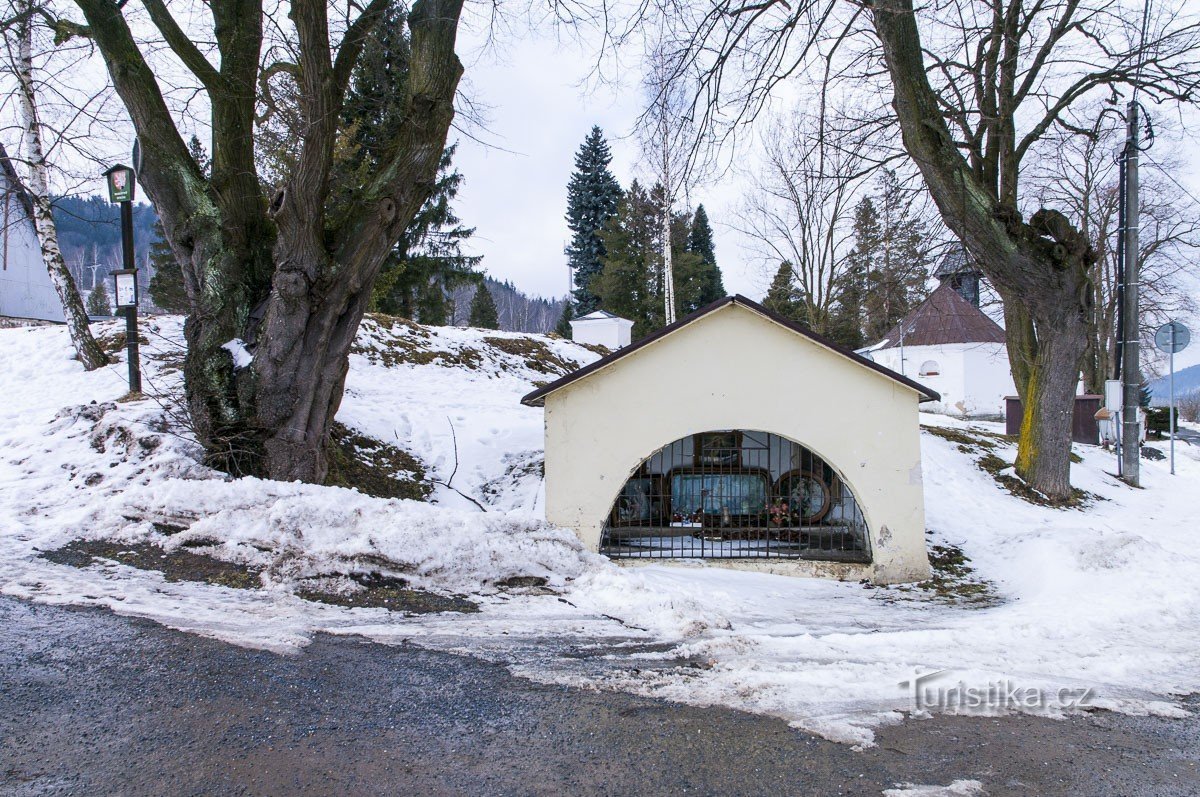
(1187, 380)
(89, 232)
(518, 312)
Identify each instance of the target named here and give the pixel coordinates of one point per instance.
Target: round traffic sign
(1172, 337)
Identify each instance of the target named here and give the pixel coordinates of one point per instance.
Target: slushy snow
(1104, 598)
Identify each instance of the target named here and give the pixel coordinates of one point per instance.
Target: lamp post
(121, 180)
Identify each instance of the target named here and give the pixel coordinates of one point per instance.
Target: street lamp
(121, 181)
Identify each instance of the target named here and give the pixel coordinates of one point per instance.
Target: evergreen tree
(593, 195)
(630, 283)
(890, 261)
(483, 309)
(200, 155)
(693, 275)
(166, 284)
(563, 327)
(97, 300)
(700, 242)
(428, 261)
(781, 295)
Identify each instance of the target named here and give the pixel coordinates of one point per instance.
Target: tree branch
(182, 45)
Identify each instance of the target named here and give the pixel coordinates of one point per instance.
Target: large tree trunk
(1039, 267)
(38, 189)
(280, 281)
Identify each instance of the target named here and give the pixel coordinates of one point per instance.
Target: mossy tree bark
(277, 275)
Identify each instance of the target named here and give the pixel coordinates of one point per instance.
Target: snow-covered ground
(1103, 598)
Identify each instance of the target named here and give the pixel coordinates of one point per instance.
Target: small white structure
(736, 435)
(951, 345)
(602, 329)
(25, 288)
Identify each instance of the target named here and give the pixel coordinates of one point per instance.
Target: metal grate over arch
(736, 494)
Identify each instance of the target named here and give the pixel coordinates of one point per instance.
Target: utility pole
(1130, 366)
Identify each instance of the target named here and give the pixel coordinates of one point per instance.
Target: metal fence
(736, 494)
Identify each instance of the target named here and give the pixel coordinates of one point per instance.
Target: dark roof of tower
(955, 261)
(945, 317)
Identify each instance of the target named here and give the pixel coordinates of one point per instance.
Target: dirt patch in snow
(174, 565)
(358, 591)
(537, 355)
(984, 444)
(1004, 475)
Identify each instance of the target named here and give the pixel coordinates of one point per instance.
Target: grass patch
(374, 467)
(980, 442)
(113, 342)
(969, 441)
(174, 565)
(990, 463)
(953, 580)
(538, 356)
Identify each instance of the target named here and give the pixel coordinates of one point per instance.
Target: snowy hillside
(100, 498)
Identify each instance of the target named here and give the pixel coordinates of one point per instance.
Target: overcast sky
(515, 191)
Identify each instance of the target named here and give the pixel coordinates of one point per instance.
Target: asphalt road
(96, 704)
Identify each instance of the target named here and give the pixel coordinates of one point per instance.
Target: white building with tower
(25, 288)
(602, 328)
(950, 345)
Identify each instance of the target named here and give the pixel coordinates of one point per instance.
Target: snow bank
(1104, 598)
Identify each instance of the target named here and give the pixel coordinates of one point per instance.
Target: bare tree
(285, 273)
(1080, 173)
(19, 44)
(975, 86)
(800, 209)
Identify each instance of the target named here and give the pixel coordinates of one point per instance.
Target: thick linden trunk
(1043, 452)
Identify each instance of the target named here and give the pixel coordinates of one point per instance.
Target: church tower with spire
(958, 270)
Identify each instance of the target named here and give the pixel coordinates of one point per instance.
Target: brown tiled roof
(537, 397)
(945, 317)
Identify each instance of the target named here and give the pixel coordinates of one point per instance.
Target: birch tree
(19, 42)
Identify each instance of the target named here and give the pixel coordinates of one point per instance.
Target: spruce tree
(97, 301)
(593, 195)
(693, 274)
(890, 259)
(630, 284)
(781, 295)
(563, 327)
(166, 284)
(483, 309)
(700, 242)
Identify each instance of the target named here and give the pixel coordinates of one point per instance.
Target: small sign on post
(125, 289)
(120, 183)
(1172, 337)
